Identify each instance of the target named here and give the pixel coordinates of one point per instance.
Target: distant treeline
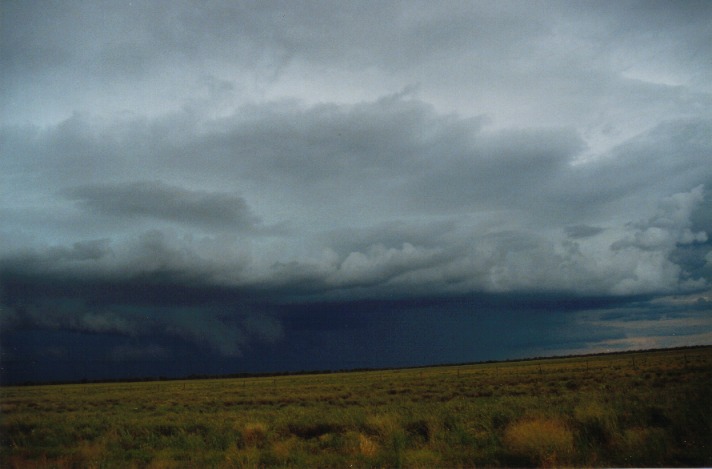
(270, 374)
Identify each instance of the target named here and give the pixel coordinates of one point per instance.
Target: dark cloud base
(53, 345)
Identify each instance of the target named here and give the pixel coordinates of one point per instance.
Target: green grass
(644, 409)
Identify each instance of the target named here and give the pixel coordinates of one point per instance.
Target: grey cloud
(394, 160)
(379, 265)
(74, 314)
(418, 159)
(373, 139)
(58, 258)
(701, 217)
(393, 154)
(447, 46)
(153, 256)
(177, 172)
(157, 255)
(652, 244)
(392, 33)
(140, 352)
(683, 26)
(155, 199)
(81, 251)
(663, 322)
(313, 31)
(223, 337)
(669, 227)
(493, 171)
(393, 234)
(93, 250)
(123, 59)
(673, 154)
(24, 39)
(582, 231)
(227, 325)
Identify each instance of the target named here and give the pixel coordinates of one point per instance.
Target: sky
(224, 187)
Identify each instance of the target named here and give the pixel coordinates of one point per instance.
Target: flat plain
(651, 408)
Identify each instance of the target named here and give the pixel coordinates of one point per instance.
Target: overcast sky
(208, 187)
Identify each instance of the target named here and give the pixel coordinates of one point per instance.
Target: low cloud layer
(205, 172)
(475, 210)
(156, 200)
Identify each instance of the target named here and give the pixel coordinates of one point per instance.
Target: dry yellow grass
(367, 446)
(582, 411)
(546, 442)
(254, 434)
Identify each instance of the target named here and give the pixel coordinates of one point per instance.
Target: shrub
(540, 441)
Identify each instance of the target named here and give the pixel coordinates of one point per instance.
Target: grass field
(638, 409)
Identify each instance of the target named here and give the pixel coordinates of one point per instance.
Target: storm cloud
(156, 200)
(238, 181)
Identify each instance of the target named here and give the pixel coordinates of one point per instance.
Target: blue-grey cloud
(153, 199)
(582, 231)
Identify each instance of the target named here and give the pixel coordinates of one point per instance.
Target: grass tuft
(254, 434)
(546, 442)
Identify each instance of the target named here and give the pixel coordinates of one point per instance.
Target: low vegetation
(639, 409)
